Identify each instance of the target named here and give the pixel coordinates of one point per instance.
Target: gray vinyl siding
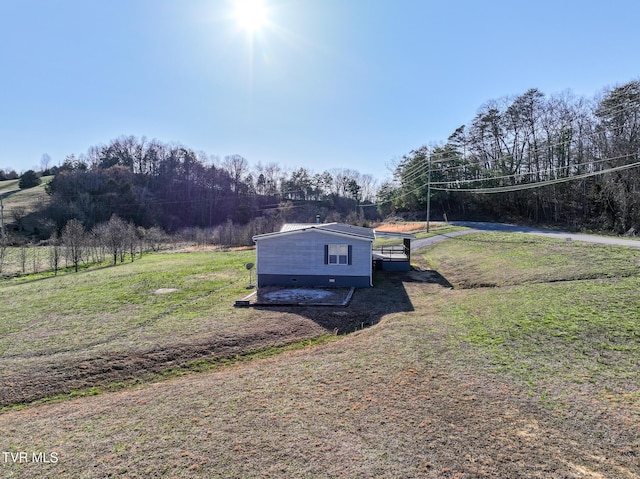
(303, 254)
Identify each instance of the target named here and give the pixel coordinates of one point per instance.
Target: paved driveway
(477, 226)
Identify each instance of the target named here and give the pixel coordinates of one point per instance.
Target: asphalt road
(477, 226)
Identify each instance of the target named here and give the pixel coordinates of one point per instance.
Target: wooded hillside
(557, 159)
(152, 184)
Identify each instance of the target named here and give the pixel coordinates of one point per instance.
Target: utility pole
(428, 191)
(2, 217)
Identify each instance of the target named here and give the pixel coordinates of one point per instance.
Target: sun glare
(251, 15)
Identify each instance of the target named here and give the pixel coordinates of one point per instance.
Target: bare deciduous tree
(73, 240)
(45, 162)
(114, 236)
(54, 252)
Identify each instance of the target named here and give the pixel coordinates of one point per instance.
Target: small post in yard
(249, 266)
(428, 190)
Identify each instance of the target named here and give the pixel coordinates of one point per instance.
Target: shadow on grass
(7, 194)
(419, 275)
(368, 305)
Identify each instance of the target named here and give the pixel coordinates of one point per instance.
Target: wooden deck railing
(392, 252)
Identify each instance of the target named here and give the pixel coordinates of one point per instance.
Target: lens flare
(251, 15)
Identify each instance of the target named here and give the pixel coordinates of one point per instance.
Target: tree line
(172, 187)
(75, 246)
(557, 159)
(114, 241)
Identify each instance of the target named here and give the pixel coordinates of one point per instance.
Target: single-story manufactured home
(322, 254)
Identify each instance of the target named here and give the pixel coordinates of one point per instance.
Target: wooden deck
(392, 258)
(391, 253)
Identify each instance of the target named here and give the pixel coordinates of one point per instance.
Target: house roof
(339, 229)
(393, 234)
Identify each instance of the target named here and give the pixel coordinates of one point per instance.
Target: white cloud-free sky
(323, 84)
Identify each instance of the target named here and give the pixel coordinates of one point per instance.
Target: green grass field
(108, 315)
(501, 259)
(13, 196)
(24, 202)
(528, 367)
(555, 313)
(115, 305)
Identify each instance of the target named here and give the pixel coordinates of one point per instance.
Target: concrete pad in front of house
(288, 296)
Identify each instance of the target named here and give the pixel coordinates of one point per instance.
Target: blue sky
(325, 84)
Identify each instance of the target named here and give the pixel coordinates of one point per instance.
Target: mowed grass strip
(501, 259)
(27, 200)
(76, 311)
(585, 332)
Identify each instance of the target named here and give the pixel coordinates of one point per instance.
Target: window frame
(338, 254)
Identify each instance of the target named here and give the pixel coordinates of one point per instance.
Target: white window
(338, 254)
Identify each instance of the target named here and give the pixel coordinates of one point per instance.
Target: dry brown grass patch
(408, 227)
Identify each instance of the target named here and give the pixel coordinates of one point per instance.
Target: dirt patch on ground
(165, 290)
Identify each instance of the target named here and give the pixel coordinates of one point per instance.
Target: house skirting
(313, 280)
(396, 266)
(391, 265)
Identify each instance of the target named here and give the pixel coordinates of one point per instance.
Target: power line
(545, 171)
(538, 184)
(512, 188)
(421, 168)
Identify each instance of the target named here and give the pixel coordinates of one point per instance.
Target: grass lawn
(115, 305)
(13, 196)
(25, 201)
(118, 322)
(561, 317)
(164, 314)
(501, 259)
(534, 376)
